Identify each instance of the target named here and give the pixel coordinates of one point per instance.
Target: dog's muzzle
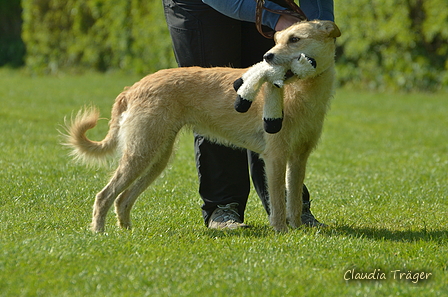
(268, 57)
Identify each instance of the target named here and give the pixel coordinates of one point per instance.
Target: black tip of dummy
(238, 83)
(273, 126)
(241, 104)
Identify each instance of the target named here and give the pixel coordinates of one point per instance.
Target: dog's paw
(278, 224)
(303, 66)
(294, 223)
(96, 228)
(241, 104)
(281, 228)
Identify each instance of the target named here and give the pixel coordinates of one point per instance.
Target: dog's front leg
(275, 174)
(295, 176)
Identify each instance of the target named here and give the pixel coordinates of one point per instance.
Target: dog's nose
(268, 57)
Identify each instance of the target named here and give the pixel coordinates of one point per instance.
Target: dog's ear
(331, 29)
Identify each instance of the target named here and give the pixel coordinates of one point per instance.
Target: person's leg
(203, 37)
(254, 46)
(223, 176)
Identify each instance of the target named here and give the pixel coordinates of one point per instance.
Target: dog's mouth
(289, 74)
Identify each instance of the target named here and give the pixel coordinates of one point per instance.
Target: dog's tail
(89, 151)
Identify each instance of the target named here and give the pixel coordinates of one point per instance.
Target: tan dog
(147, 117)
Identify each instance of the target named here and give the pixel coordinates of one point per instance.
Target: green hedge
(130, 35)
(385, 44)
(399, 44)
(12, 48)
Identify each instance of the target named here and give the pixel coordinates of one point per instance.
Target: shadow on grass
(257, 231)
(380, 234)
(438, 236)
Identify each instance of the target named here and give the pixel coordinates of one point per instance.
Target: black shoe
(226, 217)
(308, 218)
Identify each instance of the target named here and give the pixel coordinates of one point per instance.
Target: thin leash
(293, 10)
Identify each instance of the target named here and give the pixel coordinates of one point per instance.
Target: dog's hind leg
(130, 168)
(124, 202)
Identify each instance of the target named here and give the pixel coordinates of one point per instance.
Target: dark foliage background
(385, 44)
(12, 48)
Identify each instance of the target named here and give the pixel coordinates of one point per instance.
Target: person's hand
(285, 21)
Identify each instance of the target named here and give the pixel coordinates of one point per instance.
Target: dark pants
(204, 37)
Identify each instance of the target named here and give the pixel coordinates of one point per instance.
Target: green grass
(379, 179)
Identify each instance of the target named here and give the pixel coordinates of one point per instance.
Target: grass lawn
(379, 179)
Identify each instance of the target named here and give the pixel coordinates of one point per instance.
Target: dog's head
(315, 39)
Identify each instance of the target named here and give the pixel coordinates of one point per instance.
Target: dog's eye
(294, 39)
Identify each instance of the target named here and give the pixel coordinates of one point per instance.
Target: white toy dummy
(249, 85)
